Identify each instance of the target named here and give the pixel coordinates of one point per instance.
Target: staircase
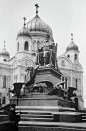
(37, 116)
(40, 118)
(3, 117)
(83, 115)
(34, 113)
(45, 113)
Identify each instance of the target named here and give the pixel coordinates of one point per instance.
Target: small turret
(4, 54)
(72, 45)
(72, 51)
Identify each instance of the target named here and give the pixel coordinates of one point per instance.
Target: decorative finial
(71, 37)
(4, 43)
(24, 21)
(37, 6)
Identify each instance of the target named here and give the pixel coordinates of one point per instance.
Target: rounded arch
(75, 57)
(27, 62)
(68, 56)
(26, 46)
(67, 60)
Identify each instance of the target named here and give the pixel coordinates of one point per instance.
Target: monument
(43, 86)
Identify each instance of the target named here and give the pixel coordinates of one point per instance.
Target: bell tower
(24, 42)
(72, 51)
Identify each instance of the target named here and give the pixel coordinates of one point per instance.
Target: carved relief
(63, 63)
(26, 63)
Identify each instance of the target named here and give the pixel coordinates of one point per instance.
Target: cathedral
(31, 38)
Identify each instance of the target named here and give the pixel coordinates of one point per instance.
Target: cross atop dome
(24, 21)
(37, 6)
(71, 37)
(4, 43)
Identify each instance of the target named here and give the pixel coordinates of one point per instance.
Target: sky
(63, 16)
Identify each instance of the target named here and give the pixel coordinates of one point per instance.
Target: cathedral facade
(30, 38)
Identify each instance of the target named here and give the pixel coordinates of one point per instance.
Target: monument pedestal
(48, 73)
(42, 100)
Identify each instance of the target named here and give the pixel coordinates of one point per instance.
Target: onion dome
(36, 24)
(4, 52)
(24, 32)
(72, 45)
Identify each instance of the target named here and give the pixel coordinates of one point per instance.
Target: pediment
(27, 62)
(64, 62)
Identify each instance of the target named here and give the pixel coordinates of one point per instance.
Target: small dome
(24, 32)
(4, 52)
(72, 45)
(36, 24)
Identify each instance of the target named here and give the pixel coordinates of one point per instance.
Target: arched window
(3, 100)
(76, 83)
(4, 82)
(4, 60)
(26, 46)
(18, 46)
(68, 56)
(75, 56)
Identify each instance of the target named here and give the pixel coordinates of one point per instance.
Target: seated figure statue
(39, 57)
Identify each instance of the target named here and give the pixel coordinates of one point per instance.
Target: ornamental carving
(27, 63)
(63, 63)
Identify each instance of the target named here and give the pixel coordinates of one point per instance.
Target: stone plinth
(41, 100)
(48, 126)
(47, 73)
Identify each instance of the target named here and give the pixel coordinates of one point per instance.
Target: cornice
(48, 70)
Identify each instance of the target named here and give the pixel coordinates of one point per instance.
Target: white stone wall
(5, 70)
(72, 73)
(72, 55)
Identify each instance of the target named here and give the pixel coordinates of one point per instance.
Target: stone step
(33, 112)
(2, 112)
(36, 119)
(36, 116)
(51, 126)
(4, 117)
(83, 120)
(44, 108)
(83, 115)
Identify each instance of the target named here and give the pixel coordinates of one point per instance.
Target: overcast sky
(63, 16)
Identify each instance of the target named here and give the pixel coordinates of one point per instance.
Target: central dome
(36, 24)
